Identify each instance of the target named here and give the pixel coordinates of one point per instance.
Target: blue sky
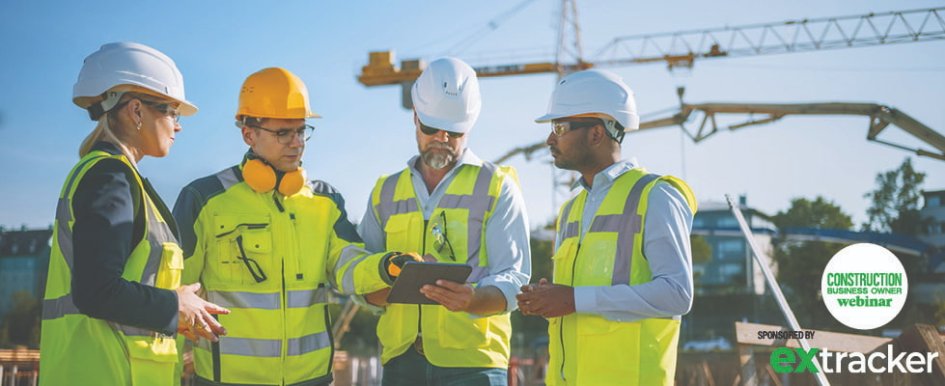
(365, 133)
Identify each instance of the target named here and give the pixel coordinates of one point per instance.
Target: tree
(801, 264)
(820, 214)
(895, 202)
(22, 325)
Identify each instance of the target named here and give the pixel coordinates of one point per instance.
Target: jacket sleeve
(351, 267)
(104, 234)
(186, 213)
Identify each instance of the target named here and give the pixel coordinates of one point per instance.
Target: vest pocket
(608, 353)
(172, 265)
(460, 330)
(152, 360)
(243, 249)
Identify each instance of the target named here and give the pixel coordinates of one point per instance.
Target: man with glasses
(622, 262)
(267, 243)
(451, 207)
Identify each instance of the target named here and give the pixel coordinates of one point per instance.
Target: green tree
(21, 325)
(895, 201)
(801, 264)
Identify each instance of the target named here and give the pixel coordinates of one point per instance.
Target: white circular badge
(864, 286)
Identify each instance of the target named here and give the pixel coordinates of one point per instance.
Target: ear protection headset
(263, 178)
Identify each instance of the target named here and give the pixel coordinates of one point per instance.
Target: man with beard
(452, 207)
(622, 262)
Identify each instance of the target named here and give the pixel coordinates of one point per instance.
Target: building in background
(24, 260)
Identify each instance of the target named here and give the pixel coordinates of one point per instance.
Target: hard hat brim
(442, 124)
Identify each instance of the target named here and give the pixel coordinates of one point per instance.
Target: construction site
(801, 128)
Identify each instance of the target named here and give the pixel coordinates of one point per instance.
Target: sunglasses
(163, 108)
(562, 127)
(432, 131)
(440, 240)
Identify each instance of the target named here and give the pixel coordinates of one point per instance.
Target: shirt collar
(606, 177)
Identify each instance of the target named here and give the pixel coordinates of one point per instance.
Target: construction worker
(113, 298)
(269, 244)
(455, 208)
(622, 261)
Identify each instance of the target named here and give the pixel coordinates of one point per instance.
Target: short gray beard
(437, 160)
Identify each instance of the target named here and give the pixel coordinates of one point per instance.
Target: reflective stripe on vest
(590, 349)
(146, 358)
(625, 224)
(269, 301)
(478, 203)
(450, 339)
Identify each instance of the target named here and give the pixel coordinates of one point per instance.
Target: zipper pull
(278, 204)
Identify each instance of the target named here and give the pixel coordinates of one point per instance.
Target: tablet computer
(406, 289)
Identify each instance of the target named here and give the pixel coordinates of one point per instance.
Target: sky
(365, 133)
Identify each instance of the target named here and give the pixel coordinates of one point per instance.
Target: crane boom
(881, 116)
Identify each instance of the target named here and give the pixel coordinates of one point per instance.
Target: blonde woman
(113, 298)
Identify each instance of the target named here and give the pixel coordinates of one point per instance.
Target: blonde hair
(103, 131)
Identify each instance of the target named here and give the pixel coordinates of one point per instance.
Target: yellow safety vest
(450, 339)
(278, 329)
(81, 350)
(587, 349)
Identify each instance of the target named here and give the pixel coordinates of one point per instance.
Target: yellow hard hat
(274, 93)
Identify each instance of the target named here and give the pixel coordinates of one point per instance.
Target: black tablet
(406, 289)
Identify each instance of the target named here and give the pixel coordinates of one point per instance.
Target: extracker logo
(787, 360)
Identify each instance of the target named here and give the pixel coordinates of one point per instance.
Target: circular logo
(864, 286)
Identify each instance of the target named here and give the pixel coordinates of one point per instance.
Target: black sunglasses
(432, 131)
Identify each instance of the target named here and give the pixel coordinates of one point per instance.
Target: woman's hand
(196, 315)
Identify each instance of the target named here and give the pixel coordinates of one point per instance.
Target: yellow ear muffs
(262, 178)
(259, 176)
(292, 182)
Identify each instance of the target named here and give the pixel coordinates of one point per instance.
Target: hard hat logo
(446, 96)
(274, 93)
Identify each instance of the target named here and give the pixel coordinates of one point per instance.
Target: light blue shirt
(507, 235)
(665, 245)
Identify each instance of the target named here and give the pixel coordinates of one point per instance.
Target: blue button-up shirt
(507, 235)
(665, 244)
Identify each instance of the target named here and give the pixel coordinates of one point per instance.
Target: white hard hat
(593, 92)
(127, 64)
(446, 96)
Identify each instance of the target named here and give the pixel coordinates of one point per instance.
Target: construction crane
(683, 48)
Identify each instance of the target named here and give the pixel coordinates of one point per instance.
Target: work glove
(394, 262)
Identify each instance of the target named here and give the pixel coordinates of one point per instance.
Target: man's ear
(248, 135)
(596, 135)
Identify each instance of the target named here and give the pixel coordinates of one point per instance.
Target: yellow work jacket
(271, 260)
(450, 339)
(80, 350)
(587, 349)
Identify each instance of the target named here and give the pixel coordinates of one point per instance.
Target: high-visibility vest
(450, 339)
(278, 329)
(587, 349)
(81, 350)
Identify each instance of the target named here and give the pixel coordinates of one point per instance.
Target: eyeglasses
(251, 265)
(562, 127)
(164, 108)
(440, 240)
(286, 136)
(432, 131)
